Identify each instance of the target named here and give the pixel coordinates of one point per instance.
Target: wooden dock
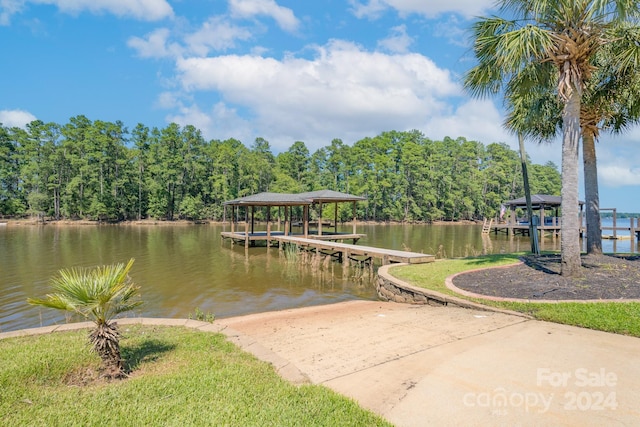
(248, 239)
(523, 229)
(554, 227)
(346, 251)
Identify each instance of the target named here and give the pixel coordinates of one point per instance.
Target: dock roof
(331, 196)
(270, 199)
(297, 199)
(538, 200)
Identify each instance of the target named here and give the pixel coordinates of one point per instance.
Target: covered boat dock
(547, 219)
(287, 202)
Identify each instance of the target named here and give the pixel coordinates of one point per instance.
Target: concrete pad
(428, 365)
(335, 340)
(534, 373)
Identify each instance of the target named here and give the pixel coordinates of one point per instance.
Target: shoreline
(182, 222)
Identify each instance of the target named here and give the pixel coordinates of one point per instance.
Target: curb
(449, 284)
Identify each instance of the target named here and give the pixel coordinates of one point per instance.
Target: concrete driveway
(448, 366)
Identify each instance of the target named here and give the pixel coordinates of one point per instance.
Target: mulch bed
(603, 277)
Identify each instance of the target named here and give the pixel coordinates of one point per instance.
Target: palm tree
(98, 294)
(611, 102)
(566, 34)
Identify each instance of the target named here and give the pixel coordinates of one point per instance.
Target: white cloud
(618, 175)
(250, 8)
(477, 120)
(216, 34)
(9, 8)
(480, 120)
(374, 8)
(342, 92)
(454, 31)
(619, 159)
(16, 118)
(155, 45)
(146, 10)
(398, 42)
(221, 122)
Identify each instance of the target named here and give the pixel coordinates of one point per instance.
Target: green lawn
(621, 318)
(180, 377)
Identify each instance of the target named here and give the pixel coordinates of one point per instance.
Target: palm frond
(99, 293)
(502, 50)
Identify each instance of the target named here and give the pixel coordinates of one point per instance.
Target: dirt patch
(602, 277)
(85, 376)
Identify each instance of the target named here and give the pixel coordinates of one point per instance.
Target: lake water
(183, 267)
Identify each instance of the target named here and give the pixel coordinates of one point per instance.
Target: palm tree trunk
(533, 231)
(106, 343)
(570, 232)
(592, 199)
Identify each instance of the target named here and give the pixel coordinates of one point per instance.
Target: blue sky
(284, 70)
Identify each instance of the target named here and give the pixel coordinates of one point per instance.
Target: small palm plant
(98, 294)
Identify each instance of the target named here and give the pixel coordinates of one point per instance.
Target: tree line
(100, 170)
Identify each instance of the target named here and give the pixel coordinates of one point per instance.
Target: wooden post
(305, 221)
(279, 211)
(320, 221)
(246, 234)
(354, 217)
(511, 230)
(286, 220)
(253, 212)
(335, 219)
(233, 218)
(268, 226)
(615, 234)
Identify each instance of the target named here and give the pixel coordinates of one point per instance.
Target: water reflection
(181, 268)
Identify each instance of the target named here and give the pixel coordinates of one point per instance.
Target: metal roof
(270, 199)
(287, 199)
(331, 196)
(538, 200)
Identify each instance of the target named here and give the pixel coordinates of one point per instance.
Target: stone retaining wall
(390, 288)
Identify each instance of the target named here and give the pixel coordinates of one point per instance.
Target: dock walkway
(249, 238)
(346, 250)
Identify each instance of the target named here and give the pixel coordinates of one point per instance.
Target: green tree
(75, 143)
(98, 294)
(37, 146)
(140, 158)
(11, 202)
(566, 34)
(295, 162)
(166, 171)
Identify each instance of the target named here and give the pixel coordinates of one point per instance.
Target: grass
(179, 377)
(620, 318)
